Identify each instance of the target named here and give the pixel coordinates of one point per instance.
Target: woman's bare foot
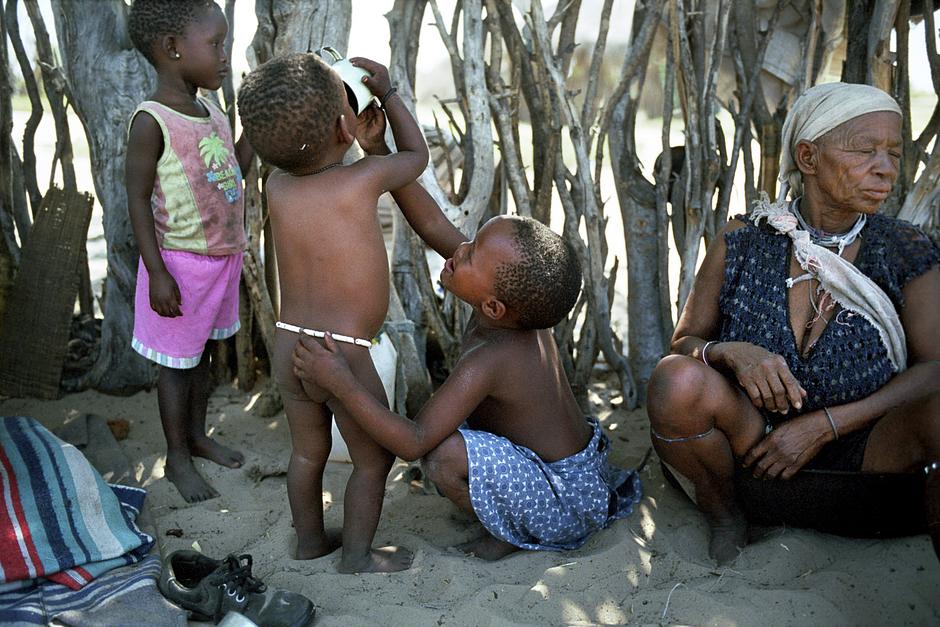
(728, 538)
(487, 548)
(316, 547)
(388, 559)
(208, 448)
(181, 472)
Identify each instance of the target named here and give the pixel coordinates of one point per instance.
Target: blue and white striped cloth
(42, 602)
(59, 520)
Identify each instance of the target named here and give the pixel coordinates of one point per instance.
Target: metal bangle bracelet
(705, 348)
(832, 423)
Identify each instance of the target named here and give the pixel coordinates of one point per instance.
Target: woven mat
(35, 331)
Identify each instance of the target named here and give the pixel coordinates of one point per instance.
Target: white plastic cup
(358, 94)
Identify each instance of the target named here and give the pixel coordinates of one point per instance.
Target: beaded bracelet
(388, 94)
(832, 423)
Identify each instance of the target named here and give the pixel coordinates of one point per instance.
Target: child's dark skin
(507, 380)
(184, 63)
(319, 214)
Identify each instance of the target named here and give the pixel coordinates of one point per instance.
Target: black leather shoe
(208, 589)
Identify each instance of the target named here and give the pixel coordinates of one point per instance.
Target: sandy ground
(650, 568)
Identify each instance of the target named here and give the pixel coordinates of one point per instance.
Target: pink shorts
(209, 290)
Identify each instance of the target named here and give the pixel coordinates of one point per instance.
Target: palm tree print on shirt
(212, 150)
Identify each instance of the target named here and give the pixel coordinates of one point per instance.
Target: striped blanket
(59, 520)
(42, 603)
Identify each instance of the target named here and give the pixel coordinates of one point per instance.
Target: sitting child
(333, 272)
(527, 463)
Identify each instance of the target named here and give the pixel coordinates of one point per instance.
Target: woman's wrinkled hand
(789, 447)
(370, 133)
(763, 375)
(324, 366)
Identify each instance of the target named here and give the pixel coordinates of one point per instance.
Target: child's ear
(493, 308)
(168, 46)
(342, 131)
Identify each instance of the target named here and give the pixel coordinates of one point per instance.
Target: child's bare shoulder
(505, 347)
(331, 185)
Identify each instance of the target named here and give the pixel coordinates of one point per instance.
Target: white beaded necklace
(826, 239)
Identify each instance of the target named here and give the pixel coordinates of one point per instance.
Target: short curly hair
(149, 20)
(288, 106)
(543, 285)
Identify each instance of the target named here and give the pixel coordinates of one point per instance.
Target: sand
(650, 568)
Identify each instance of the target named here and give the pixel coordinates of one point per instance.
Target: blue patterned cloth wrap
(547, 506)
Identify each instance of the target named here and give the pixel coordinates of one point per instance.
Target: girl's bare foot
(208, 448)
(728, 538)
(388, 559)
(317, 547)
(180, 471)
(487, 548)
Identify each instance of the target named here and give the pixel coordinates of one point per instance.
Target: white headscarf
(819, 110)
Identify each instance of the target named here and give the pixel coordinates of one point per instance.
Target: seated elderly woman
(811, 336)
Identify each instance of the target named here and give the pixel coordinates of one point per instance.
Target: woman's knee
(676, 384)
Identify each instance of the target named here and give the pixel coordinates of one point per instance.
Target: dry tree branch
(587, 203)
(714, 148)
(751, 87)
(479, 163)
(450, 43)
(634, 62)
(689, 96)
(812, 42)
(35, 116)
(642, 225)
(503, 103)
(14, 210)
(664, 181)
(589, 107)
(930, 31)
(57, 93)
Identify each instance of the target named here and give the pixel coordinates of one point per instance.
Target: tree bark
(108, 78)
(286, 26)
(642, 220)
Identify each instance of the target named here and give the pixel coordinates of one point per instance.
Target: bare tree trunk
(867, 56)
(643, 218)
(409, 266)
(286, 26)
(108, 78)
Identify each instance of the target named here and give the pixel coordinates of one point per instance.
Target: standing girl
(184, 194)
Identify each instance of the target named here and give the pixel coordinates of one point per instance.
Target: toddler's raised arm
(419, 208)
(406, 165)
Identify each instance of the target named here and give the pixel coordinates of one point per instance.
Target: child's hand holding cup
(378, 80)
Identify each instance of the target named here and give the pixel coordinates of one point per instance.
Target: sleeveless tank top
(848, 361)
(198, 204)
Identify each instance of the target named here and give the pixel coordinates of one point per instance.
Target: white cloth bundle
(845, 283)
